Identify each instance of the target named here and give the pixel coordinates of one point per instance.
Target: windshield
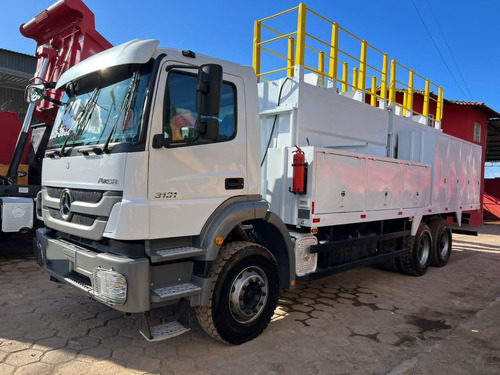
(102, 108)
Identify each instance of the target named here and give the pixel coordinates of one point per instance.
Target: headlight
(109, 287)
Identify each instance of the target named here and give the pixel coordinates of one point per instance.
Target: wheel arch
(278, 241)
(268, 225)
(230, 214)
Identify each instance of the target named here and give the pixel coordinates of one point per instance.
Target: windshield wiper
(125, 108)
(87, 111)
(52, 153)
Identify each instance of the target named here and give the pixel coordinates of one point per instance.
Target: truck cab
(140, 190)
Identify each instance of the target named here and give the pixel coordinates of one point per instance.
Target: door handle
(234, 183)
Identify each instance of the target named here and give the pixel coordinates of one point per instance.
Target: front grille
(76, 218)
(89, 210)
(87, 196)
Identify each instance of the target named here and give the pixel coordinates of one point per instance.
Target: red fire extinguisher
(299, 165)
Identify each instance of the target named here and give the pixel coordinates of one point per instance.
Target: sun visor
(136, 51)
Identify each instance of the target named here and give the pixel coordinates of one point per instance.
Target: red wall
(492, 199)
(418, 104)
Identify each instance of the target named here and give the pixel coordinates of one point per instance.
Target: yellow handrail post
(301, 34)
(383, 85)
(321, 68)
(425, 109)
(355, 79)
(405, 102)
(392, 89)
(373, 93)
(362, 66)
(256, 49)
(291, 53)
(345, 77)
(409, 103)
(334, 53)
(439, 109)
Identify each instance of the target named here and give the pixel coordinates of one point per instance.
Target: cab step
(174, 292)
(167, 255)
(164, 331)
(169, 329)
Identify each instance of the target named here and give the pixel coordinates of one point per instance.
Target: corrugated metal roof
(15, 52)
(16, 69)
(18, 62)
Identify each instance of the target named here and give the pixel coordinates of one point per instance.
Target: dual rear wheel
(431, 245)
(418, 260)
(441, 231)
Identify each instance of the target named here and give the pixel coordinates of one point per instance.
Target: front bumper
(78, 267)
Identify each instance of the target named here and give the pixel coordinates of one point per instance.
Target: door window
(180, 110)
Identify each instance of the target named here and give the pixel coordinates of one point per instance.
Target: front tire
(244, 295)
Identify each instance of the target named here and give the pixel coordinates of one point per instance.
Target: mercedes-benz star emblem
(65, 204)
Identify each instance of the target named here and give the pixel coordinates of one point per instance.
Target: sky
(454, 43)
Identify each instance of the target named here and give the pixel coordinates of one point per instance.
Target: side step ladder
(170, 329)
(168, 255)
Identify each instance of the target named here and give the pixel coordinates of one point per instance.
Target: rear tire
(244, 295)
(442, 240)
(417, 261)
(392, 264)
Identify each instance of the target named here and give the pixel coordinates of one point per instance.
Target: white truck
(161, 187)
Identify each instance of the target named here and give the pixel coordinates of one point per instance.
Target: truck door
(189, 178)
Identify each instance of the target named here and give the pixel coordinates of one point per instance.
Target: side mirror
(34, 93)
(158, 141)
(208, 100)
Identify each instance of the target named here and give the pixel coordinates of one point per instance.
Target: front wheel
(244, 295)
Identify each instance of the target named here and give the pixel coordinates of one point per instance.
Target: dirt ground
(365, 321)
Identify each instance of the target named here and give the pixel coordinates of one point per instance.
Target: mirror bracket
(158, 141)
(35, 93)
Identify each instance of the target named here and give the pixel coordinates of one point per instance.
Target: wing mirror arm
(35, 93)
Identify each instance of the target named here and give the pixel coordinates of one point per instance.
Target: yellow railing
(407, 91)
(299, 51)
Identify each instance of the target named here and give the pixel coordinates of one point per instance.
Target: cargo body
(351, 176)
